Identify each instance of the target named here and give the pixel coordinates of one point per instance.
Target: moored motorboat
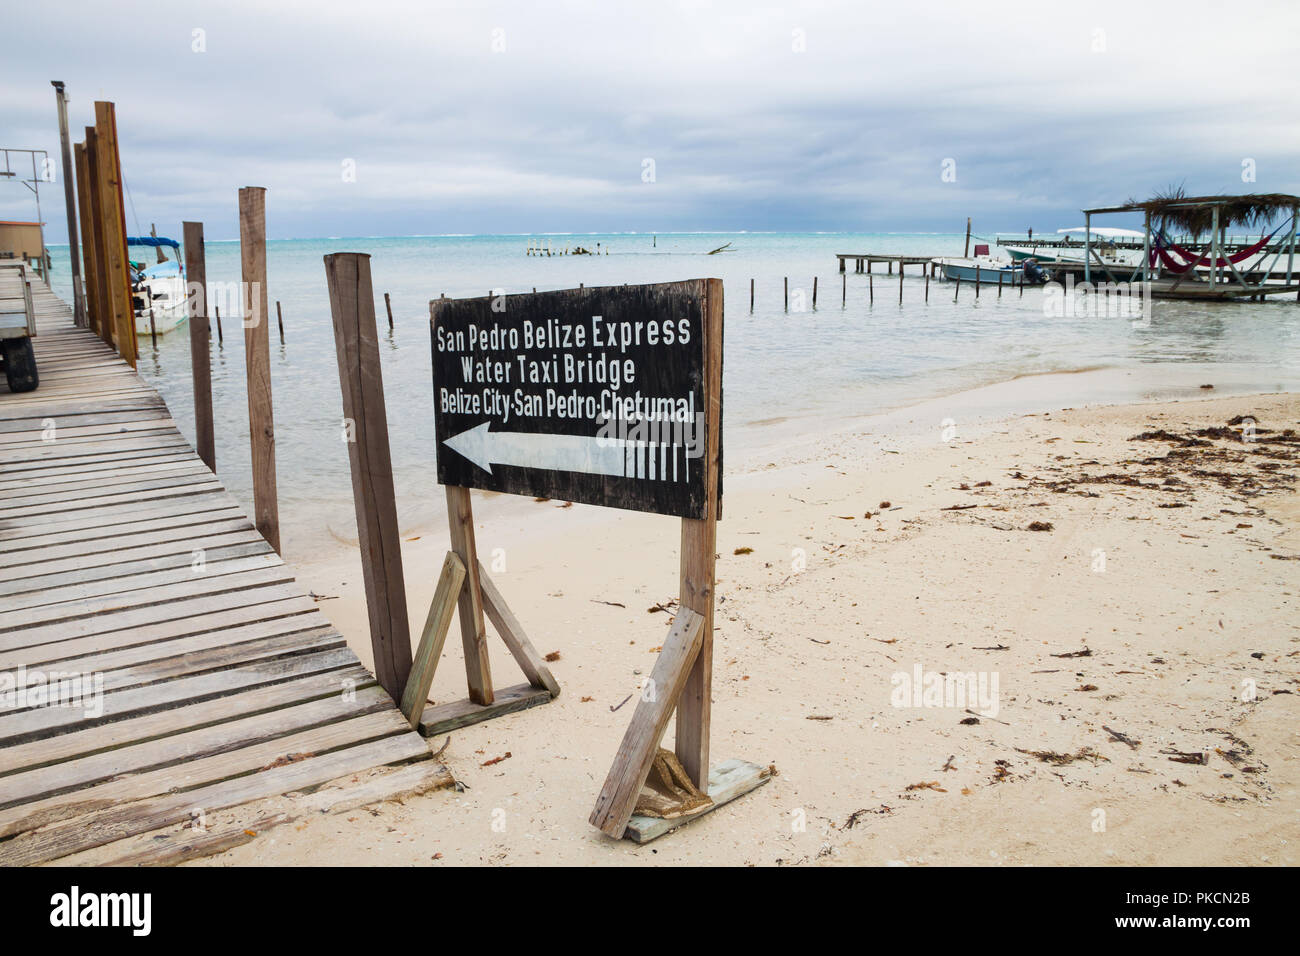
(983, 269)
(158, 290)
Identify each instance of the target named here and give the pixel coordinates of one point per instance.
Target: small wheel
(20, 365)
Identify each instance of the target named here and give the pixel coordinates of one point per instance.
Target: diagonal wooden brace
(640, 743)
(512, 632)
(435, 634)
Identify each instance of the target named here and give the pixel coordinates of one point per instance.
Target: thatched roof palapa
(1193, 215)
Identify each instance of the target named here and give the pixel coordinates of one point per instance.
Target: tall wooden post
(1146, 247)
(1290, 249)
(196, 273)
(101, 300)
(966, 249)
(257, 362)
(356, 339)
(108, 325)
(70, 201)
(1215, 245)
(388, 307)
(90, 278)
(1087, 247)
(112, 220)
(699, 540)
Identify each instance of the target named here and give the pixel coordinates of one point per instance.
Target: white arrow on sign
(579, 453)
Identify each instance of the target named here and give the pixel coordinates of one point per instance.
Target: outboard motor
(1034, 273)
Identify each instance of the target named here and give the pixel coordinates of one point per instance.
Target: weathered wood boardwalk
(124, 562)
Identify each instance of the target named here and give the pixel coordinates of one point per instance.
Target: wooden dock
(128, 571)
(863, 261)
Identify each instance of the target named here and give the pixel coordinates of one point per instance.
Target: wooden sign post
(607, 396)
(196, 272)
(366, 431)
(257, 361)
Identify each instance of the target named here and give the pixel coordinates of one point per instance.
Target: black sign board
(587, 395)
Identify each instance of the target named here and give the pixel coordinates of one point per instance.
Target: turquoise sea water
(785, 373)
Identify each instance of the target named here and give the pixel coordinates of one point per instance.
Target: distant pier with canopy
(1186, 249)
(1186, 253)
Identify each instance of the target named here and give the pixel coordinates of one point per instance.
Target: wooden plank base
(727, 781)
(440, 718)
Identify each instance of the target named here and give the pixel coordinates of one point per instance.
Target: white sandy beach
(1172, 576)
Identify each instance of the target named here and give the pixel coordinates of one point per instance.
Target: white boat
(159, 289)
(984, 269)
(1103, 246)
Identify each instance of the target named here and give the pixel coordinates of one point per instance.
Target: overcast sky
(536, 117)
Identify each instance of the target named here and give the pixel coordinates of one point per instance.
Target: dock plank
(214, 682)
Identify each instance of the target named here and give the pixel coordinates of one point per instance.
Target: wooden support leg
(699, 540)
(694, 710)
(257, 364)
(352, 307)
(512, 632)
(641, 741)
(435, 635)
(205, 442)
(478, 673)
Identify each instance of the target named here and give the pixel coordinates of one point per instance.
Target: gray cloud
(549, 134)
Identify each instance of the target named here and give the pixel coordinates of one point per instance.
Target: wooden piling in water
(196, 273)
(786, 280)
(871, 289)
(257, 362)
(279, 318)
(900, 282)
(927, 286)
(352, 306)
(814, 292)
(751, 295)
(221, 339)
(957, 289)
(388, 307)
(844, 290)
(977, 282)
(999, 285)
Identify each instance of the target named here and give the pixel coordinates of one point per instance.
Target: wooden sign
(607, 396)
(588, 395)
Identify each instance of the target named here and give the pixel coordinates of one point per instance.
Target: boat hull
(162, 321)
(986, 273)
(165, 305)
